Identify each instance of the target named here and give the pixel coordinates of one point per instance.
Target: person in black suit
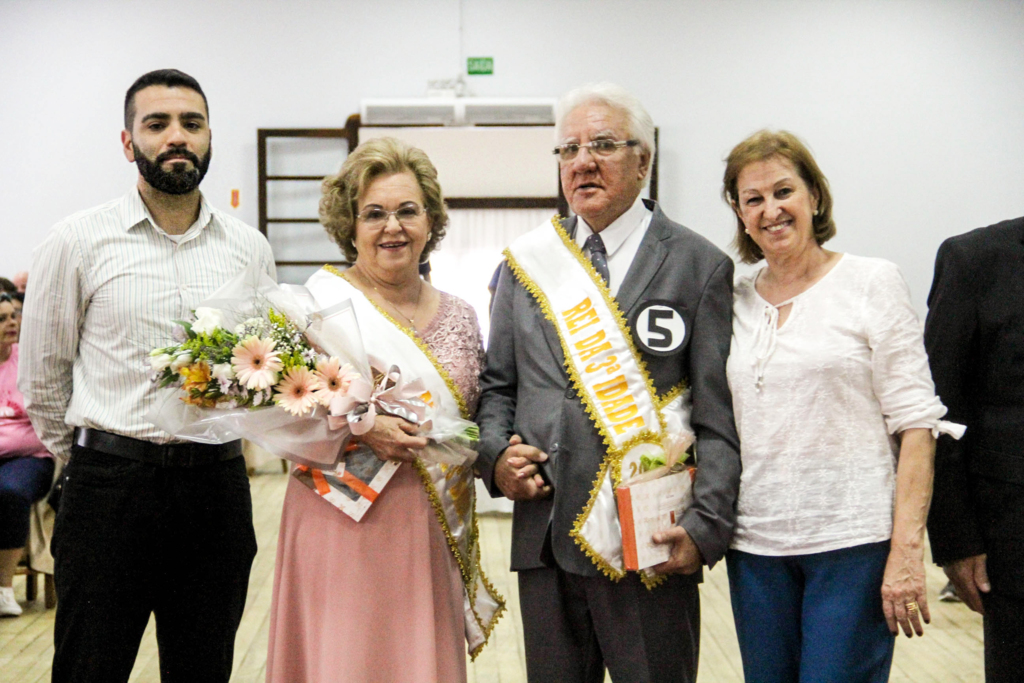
(975, 340)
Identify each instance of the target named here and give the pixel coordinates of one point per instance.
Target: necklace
(391, 304)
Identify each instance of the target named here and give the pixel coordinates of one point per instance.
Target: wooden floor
(950, 652)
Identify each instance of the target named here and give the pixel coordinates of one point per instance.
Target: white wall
(915, 109)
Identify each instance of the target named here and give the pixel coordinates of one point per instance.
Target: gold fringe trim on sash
(463, 410)
(465, 567)
(614, 455)
(545, 307)
(652, 582)
(672, 394)
(613, 306)
(617, 457)
(493, 592)
(472, 530)
(577, 530)
(435, 502)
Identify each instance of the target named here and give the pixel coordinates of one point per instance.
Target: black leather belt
(187, 454)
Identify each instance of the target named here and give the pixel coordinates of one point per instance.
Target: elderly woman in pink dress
(386, 598)
(26, 468)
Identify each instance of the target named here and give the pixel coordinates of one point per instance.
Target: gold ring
(911, 607)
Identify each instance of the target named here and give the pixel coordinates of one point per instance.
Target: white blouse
(816, 402)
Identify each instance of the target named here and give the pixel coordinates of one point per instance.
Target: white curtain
(463, 266)
(471, 250)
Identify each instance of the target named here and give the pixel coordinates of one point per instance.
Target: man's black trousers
(134, 538)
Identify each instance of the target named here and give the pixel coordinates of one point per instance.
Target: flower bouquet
(258, 362)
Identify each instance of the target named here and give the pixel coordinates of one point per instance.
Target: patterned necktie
(598, 255)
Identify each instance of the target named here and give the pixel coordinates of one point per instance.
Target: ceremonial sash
(450, 488)
(608, 374)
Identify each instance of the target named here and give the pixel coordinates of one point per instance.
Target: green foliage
(648, 463)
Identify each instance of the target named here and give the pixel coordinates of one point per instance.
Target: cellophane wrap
(316, 439)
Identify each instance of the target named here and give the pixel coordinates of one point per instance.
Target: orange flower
(200, 400)
(197, 376)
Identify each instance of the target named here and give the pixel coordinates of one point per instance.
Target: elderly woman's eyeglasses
(376, 217)
(600, 148)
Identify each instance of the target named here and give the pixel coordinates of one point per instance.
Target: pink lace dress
(381, 599)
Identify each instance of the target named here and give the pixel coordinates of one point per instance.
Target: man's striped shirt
(104, 288)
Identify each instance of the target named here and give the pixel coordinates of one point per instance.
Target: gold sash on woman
(608, 373)
(450, 488)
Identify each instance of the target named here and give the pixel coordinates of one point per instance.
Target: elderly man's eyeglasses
(599, 148)
(376, 217)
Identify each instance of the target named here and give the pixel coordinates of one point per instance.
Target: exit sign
(480, 66)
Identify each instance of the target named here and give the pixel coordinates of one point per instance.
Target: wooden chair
(31, 587)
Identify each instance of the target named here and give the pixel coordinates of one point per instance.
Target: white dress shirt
(816, 401)
(621, 240)
(105, 288)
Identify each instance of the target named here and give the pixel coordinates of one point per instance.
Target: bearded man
(145, 525)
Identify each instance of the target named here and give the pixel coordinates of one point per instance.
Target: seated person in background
(26, 468)
(20, 280)
(18, 301)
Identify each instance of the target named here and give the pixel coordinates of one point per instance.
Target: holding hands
(516, 473)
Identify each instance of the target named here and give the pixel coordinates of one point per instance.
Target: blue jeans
(812, 618)
(23, 481)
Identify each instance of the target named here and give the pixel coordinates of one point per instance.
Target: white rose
(159, 361)
(180, 361)
(207, 320)
(223, 371)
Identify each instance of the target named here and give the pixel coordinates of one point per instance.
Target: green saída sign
(480, 66)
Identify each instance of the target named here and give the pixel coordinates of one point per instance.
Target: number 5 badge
(659, 327)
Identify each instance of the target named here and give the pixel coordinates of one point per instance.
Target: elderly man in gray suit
(604, 328)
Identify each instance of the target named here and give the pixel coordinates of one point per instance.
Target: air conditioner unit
(493, 110)
(452, 111)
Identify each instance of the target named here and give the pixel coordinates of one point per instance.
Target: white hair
(641, 125)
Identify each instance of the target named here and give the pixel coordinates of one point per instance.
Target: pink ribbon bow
(392, 395)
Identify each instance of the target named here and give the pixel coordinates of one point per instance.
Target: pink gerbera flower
(335, 379)
(256, 363)
(295, 392)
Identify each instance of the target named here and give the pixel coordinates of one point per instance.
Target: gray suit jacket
(526, 391)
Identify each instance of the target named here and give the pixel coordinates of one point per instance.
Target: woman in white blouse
(837, 417)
